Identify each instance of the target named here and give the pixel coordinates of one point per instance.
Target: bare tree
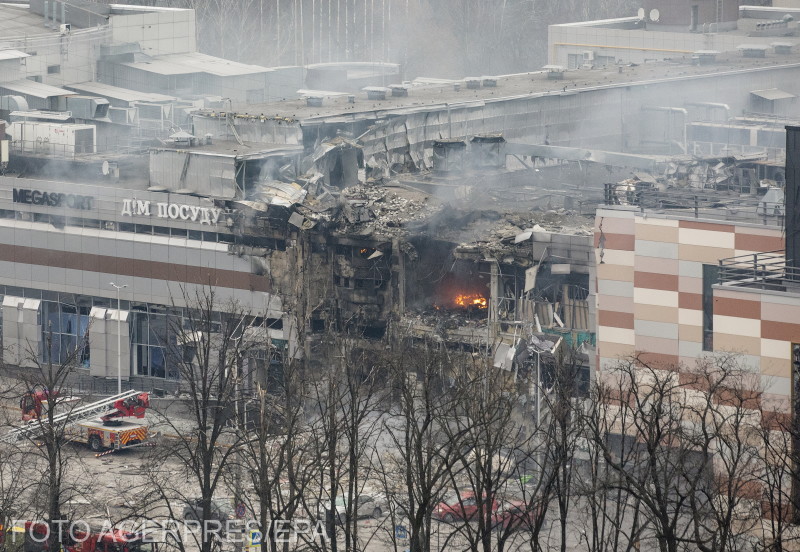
(207, 344)
(44, 392)
(414, 469)
(495, 438)
(347, 423)
(683, 446)
(777, 479)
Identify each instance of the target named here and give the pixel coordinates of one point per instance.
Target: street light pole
(119, 340)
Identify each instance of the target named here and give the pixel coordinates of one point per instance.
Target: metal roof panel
(36, 89)
(772, 94)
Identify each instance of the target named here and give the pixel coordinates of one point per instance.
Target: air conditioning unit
(588, 55)
(65, 28)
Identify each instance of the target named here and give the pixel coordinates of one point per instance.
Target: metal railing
(697, 203)
(767, 270)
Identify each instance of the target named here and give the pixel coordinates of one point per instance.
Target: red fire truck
(99, 424)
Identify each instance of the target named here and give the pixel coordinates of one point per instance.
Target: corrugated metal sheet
(206, 175)
(251, 129)
(36, 89)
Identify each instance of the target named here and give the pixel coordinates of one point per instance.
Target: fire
(471, 300)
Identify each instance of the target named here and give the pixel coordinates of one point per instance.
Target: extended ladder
(33, 428)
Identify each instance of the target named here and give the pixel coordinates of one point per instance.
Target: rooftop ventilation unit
(472, 82)
(783, 48)
(705, 57)
(376, 92)
(753, 50)
(399, 90)
(554, 72)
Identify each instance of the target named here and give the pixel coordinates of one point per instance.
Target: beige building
(662, 292)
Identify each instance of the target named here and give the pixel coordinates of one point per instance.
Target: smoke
(446, 38)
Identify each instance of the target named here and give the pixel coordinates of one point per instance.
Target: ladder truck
(98, 424)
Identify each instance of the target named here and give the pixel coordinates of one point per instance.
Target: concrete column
(494, 298)
(22, 331)
(103, 342)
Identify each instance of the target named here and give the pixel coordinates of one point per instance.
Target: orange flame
(474, 299)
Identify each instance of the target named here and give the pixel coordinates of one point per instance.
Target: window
(66, 327)
(53, 69)
(152, 337)
(710, 277)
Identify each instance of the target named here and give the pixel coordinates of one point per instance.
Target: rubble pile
(450, 319)
(502, 239)
(726, 173)
(373, 209)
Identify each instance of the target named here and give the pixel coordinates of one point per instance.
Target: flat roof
(195, 62)
(425, 93)
(16, 21)
(28, 87)
(118, 93)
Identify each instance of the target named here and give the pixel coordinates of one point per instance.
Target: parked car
(511, 515)
(464, 507)
(221, 510)
(367, 505)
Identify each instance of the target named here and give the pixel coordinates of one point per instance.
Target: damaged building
(454, 211)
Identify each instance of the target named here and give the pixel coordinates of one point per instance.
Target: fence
(767, 270)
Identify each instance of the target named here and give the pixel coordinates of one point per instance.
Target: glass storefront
(152, 336)
(155, 332)
(65, 327)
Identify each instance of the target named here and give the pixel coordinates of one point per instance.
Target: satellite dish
(654, 14)
(640, 13)
(105, 168)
